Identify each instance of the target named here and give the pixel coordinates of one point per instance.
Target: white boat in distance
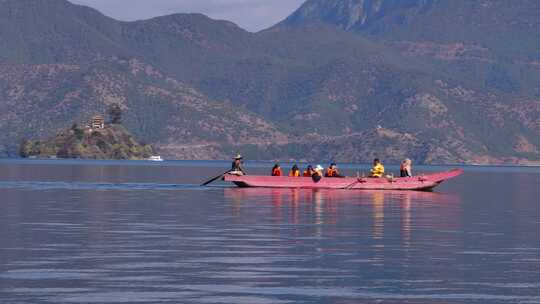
(155, 158)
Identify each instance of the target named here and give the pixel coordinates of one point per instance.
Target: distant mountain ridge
(501, 25)
(338, 80)
(353, 14)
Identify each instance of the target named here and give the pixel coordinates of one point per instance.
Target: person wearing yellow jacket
(378, 168)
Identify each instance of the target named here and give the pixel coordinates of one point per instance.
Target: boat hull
(422, 183)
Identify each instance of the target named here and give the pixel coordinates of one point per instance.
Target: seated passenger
(405, 170)
(295, 172)
(276, 170)
(309, 171)
(378, 169)
(317, 173)
(332, 171)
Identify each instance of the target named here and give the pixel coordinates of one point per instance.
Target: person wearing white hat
(236, 167)
(318, 173)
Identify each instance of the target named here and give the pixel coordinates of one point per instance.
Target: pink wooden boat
(421, 182)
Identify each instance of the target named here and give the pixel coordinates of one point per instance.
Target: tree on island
(78, 132)
(26, 149)
(115, 113)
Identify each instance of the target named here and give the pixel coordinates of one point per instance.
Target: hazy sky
(252, 15)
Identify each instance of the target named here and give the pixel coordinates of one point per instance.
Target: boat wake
(38, 185)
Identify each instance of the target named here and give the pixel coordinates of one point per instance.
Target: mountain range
(439, 81)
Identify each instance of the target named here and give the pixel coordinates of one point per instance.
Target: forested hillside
(439, 81)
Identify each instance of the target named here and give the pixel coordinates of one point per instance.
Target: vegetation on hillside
(339, 79)
(112, 142)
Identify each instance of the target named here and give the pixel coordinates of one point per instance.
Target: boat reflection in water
(319, 197)
(326, 210)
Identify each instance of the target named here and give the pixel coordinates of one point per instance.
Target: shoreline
(252, 163)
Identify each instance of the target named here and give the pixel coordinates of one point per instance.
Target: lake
(141, 232)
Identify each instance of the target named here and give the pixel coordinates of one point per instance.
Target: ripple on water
(36, 185)
(353, 293)
(126, 297)
(49, 274)
(240, 300)
(502, 285)
(166, 243)
(50, 290)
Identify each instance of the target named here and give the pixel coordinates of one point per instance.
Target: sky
(252, 15)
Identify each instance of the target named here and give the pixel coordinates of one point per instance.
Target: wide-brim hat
(238, 156)
(319, 167)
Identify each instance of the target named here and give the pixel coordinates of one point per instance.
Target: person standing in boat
(405, 170)
(236, 167)
(378, 169)
(295, 172)
(276, 170)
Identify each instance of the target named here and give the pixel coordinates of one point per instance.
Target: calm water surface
(113, 232)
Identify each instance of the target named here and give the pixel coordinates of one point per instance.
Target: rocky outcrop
(111, 142)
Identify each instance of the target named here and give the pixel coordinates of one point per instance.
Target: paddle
(215, 178)
(351, 185)
(358, 180)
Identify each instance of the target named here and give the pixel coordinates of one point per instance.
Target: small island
(96, 140)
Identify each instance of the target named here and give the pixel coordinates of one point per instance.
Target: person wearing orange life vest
(332, 171)
(309, 171)
(295, 172)
(276, 170)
